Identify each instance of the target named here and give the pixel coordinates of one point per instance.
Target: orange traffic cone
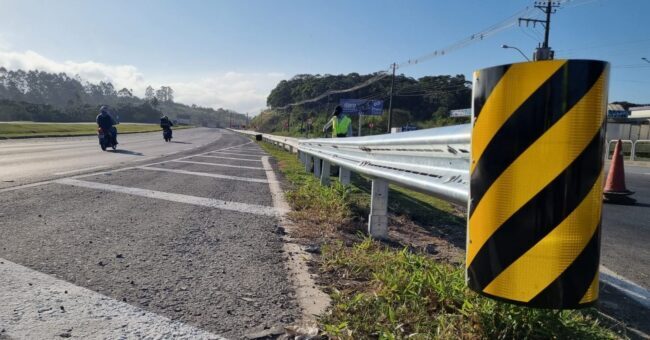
(615, 190)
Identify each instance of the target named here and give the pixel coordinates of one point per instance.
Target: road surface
(31, 159)
(626, 230)
(183, 246)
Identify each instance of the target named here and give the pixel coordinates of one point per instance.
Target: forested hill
(50, 97)
(424, 102)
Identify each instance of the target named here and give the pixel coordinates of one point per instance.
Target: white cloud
(243, 92)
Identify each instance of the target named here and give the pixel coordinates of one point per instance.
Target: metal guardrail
(433, 161)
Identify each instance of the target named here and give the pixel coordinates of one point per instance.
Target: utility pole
(390, 101)
(549, 7)
(231, 120)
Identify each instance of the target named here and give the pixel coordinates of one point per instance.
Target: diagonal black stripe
(569, 288)
(536, 115)
(539, 216)
(485, 83)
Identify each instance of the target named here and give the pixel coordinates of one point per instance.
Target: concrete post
(290, 148)
(325, 173)
(344, 175)
(317, 167)
(378, 219)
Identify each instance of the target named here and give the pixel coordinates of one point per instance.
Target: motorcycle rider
(107, 123)
(166, 124)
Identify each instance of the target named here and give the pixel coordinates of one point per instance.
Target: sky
(231, 54)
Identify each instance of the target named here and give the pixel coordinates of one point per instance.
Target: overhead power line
(479, 36)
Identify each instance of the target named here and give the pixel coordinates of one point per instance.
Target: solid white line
(206, 174)
(312, 300)
(32, 305)
(167, 196)
(223, 165)
(238, 153)
(237, 159)
(79, 170)
(629, 288)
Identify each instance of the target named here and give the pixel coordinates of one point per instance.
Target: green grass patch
(380, 292)
(409, 295)
(30, 129)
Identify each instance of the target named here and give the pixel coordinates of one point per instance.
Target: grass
(381, 292)
(30, 129)
(409, 295)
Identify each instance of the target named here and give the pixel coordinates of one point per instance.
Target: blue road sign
(362, 106)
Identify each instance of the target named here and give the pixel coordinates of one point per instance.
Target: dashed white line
(167, 196)
(239, 153)
(31, 303)
(217, 164)
(205, 174)
(232, 158)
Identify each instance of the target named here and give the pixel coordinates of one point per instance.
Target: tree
(149, 93)
(165, 94)
(124, 93)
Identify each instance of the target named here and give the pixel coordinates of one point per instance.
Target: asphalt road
(626, 231)
(24, 160)
(183, 246)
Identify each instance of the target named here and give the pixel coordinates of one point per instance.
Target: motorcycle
(106, 139)
(167, 135)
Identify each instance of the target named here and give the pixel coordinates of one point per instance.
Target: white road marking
(167, 196)
(629, 288)
(35, 184)
(239, 153)
(206, 174)
(223, 165)
(31, 309)
(79, 170)
(237, 159)
(312, 300)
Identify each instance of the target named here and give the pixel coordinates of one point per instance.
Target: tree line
(56, 97)
(423, 102)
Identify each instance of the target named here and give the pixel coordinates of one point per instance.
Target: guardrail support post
(317, 167)
(325, 173)
(308, 163)
(378, 219)
(344, 175)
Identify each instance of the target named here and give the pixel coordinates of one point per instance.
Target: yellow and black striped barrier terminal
(536, 182)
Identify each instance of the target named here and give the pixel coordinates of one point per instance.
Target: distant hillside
(423, 102)
(43, 96)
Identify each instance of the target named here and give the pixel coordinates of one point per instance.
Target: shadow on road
(177, 142)
(127, 152)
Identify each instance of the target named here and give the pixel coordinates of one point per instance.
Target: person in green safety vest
(340, 123)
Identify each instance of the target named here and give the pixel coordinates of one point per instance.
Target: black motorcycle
(106, 139)
(167, 135)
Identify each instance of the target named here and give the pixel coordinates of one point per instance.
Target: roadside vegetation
(31, 129)
(393, 291)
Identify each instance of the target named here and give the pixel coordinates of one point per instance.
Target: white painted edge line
(167, 196)
(629, 288)
(205, 174)
(79, 170)
(217, 164)
(237, 159)
(31, 309)
(245, 154)
(311, 299)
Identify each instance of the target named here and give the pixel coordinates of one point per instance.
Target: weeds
(411, 296)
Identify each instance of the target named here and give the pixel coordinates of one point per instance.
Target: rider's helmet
(103, 109)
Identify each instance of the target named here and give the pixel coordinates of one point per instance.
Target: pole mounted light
(522, 53)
